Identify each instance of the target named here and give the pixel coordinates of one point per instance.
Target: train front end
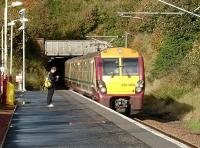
(122, 82)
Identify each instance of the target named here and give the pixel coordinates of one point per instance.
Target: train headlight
(139, 86)
(140, 83)
(103, 90)
(138, 89)
(102, 86)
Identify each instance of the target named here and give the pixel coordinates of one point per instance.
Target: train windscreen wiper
(112, 74)
(128, 74)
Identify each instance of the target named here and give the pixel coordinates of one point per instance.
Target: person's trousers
(50, 95)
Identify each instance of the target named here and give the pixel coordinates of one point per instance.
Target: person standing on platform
(51, 90)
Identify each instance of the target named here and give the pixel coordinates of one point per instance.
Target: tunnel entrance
(59, 63)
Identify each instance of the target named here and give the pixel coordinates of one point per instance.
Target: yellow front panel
(120, 84)
(119, 52)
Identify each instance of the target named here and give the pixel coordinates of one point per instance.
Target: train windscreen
(110, 66)
(130, 66)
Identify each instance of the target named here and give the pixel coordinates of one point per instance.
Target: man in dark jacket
(53, 80)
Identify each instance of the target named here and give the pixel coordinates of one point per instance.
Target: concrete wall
(72, 47)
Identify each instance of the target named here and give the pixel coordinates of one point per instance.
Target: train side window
(110, 66)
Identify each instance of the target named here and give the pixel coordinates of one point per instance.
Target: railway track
(165, 133)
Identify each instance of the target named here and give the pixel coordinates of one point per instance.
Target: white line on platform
(182, 145)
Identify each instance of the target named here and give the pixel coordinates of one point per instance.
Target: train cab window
(130, 66)
(110, 66)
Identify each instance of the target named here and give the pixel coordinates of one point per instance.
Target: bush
(171, 54)
(190, 67)
(35, 75)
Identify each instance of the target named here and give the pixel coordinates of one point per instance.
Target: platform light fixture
(16, 4)
(23, 20)
(2, 47)
(13, 4)
(11, 24)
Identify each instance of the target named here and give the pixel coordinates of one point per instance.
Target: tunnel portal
(59, 51)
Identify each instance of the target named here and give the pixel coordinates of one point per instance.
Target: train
(114, 77)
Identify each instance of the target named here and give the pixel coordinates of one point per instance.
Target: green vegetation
(170, 55)
(170, 45)
(193, 126)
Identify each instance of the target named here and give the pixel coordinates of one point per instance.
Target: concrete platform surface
(74, 122)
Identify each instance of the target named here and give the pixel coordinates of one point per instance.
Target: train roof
(111, 52)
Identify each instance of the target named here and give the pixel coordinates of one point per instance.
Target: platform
(76, 122)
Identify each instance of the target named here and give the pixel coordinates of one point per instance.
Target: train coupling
(121, 103)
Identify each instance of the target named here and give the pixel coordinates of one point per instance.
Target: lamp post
(23, 74)
(14, 4)
(2, 59)
(23, 21)
(2, 47)
(5, 37)
(11, 24)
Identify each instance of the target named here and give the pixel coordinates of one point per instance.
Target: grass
(171, 90)
(193, 126)
(177, 93)
(181, 102)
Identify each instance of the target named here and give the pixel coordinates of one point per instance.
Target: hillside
(170, 44)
